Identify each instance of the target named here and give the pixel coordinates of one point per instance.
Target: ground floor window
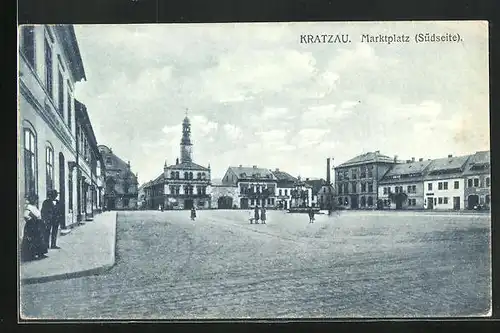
(370, 201)
(339, 200)
(125, 202)
(445, 200)
(487, 199)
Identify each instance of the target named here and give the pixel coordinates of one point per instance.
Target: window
(29, 162)
(440, 186)
(203, 175)
(339, 201)
(445, 200)
(198, 176)
(363, 201)
(346, 201)
(346, 188)
(108, 161)
(429, 186)
(28, 46)
(487, 181)
(353, 187)
(363, 187)
(340, 189)
(279, 192)
(408, 189)
(286, 192)
(60, 97)
(445, 185)
(252, 202)
(435, 201)
(370, 187)
(469, 182)
(370, 201)
(386, 190)
(49, 160)
(370, 172)
(487, 199)
(456, 185)
(125, 202)
(70, 111)
(48, 68)
(186, 175)
(396, 189)
(353, 174)
(70, 189)
(476, 182)
(440, 200)
(125, 187)
(363, 172)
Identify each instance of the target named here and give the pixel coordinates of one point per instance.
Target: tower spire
(186, 144)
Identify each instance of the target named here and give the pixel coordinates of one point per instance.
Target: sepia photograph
(229, 171)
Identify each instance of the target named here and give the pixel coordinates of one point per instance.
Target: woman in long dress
(33, 244)
(263, 216)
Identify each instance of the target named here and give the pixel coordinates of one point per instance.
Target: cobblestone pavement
(353, 264)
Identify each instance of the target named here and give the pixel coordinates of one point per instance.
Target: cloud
(274, 113)
(311, 136)
(233, 132)
(201, 126)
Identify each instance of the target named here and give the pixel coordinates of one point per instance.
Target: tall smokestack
(328, 171)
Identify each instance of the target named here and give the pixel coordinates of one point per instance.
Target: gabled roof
(242, 172)
(284, 176)
(187, 166)
(370, 157)
(158, 180)
(117, 163)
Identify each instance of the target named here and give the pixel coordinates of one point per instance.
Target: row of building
(57, 146)
(373, 180)
(367, 181)
(185, 184)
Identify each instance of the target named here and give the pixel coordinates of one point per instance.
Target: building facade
(256, 186)
(90, 173)
(121, 187)
(185, 182)
(402, 187)
(49, 67)
(356, 181)
(444, 183)
(477, 181)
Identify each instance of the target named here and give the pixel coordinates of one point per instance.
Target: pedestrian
(33, 245)
(251, 217)
(263, 214)
(256, 214)
(311, 215)
(52, 215)
(193, 213)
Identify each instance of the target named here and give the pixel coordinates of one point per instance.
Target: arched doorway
(225, 202)
(472, 200)
(62, 187)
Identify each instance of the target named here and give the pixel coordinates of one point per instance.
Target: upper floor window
(190, 175)
(370, 187)
(48, 68)
(456, 184)
(125, 187)
(487, 181)
(60, 97)
(28, 44)
(70, 111)
(198, 175)
(476, 182)
(445, 185)
(354, 173)
(370, 171)
(49, 157)
(429, 187)
(440, 186)
(186, 175)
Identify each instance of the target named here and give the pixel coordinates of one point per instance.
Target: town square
(165, 172)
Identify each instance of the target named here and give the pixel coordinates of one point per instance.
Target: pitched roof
(401, 169)
(252, 173)
(370, 157)
(448, 163)
(284, 176)
(316, 184)
(479, 162)
(188, 166)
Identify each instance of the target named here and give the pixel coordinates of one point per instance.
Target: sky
(255, 95)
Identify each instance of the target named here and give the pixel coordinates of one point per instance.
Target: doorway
(472, 200)
(62, 187)
(430, 203)
(188, 203)
(225, 202)
(244, 203)
(456, 203)
(354, 202)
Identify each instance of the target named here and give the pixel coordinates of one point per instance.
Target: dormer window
(109, 161)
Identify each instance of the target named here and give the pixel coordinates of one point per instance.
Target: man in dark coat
(256, 214)
(52, 215)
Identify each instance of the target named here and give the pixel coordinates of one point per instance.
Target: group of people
(41, 226)
(258, 214)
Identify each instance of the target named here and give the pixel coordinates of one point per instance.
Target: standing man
(256, 214)
(52, 215)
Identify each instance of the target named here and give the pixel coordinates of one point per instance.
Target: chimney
(307, 179)
(420, 159)
(328, 177)
(377, 152)
(240, 166)
(395, 158)
(450, 156)
(277, 169)
(413, 159)
(255, 167)
(177, 161)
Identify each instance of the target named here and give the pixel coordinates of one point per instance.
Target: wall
(217, 191)
(450, 193)
(481, 191)
(418, 195)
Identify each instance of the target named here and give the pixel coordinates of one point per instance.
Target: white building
(49, 66)
(444, 184)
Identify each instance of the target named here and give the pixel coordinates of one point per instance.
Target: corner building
(49, 67)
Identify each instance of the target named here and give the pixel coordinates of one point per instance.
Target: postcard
(312, 170)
